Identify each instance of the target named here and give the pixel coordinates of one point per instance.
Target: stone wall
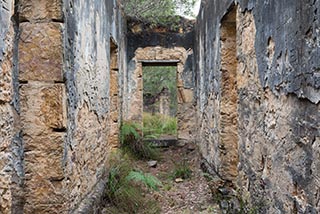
(60, 103)
(11, 154)
(268, 127)
(43, 104)
(95, 57)
(134, 98)
(159, 46)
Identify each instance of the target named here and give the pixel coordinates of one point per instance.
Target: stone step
(163, 142)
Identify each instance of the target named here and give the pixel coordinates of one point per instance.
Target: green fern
(147, 179)
(129, 132)
(132, 142)
(122, 193)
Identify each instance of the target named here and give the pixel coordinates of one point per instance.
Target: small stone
(179, 180)
(152, 163)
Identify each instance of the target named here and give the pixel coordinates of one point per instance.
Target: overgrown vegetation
(132, 142)
(157, 125)
(157, 12)
(147, 179)
(125, 187)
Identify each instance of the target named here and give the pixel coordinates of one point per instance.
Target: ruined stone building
(248, 79)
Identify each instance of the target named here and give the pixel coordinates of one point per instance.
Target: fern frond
(147, 179)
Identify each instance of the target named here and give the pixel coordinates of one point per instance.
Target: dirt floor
(180, 196)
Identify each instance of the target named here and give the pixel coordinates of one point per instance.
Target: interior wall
(278, 103)
(95, 65)
(55, 103)
(134, 101)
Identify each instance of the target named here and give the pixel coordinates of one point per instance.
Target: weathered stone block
(40, 10)
(41, 52)
(42, 108)
(44, 155)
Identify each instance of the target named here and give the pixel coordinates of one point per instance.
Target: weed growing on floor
(182, 170)
(147, 179)
(132, 142)
(157, 125)
(124, 190)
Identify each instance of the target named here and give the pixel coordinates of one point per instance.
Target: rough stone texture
(42, 108)
(258, 120)
(6, 131)
(6, 51)
(227, 155)
(114, 89)
(43, 119)
(40, 51)
(43, 105)
(89, 157)
(40, 10)
(91, 87)
(11, 171)
(134, 102)
(278, 130)
(142, 35)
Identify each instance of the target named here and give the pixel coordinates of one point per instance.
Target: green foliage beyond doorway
(155, 78)
(160, 83)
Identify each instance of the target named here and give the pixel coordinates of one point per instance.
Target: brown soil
(192, 195)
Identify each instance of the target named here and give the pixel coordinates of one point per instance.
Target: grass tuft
(132, 142)
(124, 190)
(147, 179)
(158, 125)
(182, 170)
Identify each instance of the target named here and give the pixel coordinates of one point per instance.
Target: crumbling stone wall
(11, 153)
(43, 104)
(94, 37)
(56, 102)
(277, 112)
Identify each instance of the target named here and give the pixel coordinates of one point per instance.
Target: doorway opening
(160, 102)
(114, 96)
(229, 96)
